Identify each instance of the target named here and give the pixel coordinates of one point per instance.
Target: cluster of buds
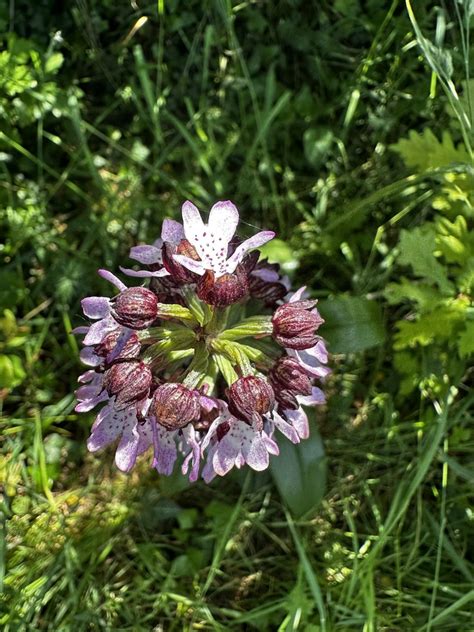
(180, 369)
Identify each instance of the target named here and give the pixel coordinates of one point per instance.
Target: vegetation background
(345, 125)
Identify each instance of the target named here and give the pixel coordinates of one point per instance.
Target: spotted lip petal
(240, 444)
(211, 240)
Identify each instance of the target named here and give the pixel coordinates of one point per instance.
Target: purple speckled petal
(172, 231)
(165, 452)
(249, 244)
(299, 420)
(146, 254)
(146, 437)
(255, 452)
(298, 295)
(98, 331)
(313, 360)
(87, 376)
(144, 274)
(88, 404)
(208, 471)
(122, 340)
(127, 449)
(108, 276)
(190, 438)
(195, 266)
(316, 398)
(83, 329)
(109, 426)
(285, 428)
(271, 445)
(95, 306)
(224, 457)
(223, 220)
(89, 357)
(192, 222)
(88, 391)
(266, 274)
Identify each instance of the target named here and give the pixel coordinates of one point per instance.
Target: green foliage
(353, 324)
(300, 472)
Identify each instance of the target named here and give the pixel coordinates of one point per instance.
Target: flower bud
(289, 379)
(267, 292)
(294, 325)
(249, 398)
(175, 406)
(288, 373)
(225, 290)
(178, 272)
(135, 307)
(129, 381)
(131, 348)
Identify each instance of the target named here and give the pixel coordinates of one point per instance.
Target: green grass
(290, 110)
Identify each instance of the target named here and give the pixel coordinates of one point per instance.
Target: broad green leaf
(299, 472)
(417, 248)
(353, 323)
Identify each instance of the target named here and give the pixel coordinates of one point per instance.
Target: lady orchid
(210, 361)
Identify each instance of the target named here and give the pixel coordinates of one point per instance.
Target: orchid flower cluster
(208, 360)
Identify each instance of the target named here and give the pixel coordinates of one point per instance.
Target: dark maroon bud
(135, 307)
(167, 291)
(250, 261)
(267, 292)
(175, 406)
(225, 290)
(289, 379)
(286, 399)
(129, 381)
(249, 398)
(294, 325)
(178, 272)
(287, 373)
(131, 348)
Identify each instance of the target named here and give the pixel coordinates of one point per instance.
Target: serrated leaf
(424, 295)
(466, 340)
(299, 473)
(353, 323)
(428, 328)
(424, 151)
(417, 248)
(454, 240)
